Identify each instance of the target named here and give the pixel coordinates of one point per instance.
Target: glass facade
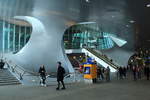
(13, 37)
(90, 36)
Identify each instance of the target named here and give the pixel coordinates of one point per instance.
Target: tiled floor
(114, 90)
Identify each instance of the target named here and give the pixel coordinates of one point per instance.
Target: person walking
(108, 74)
(139, 72)
(101, 74)
(120, 72)
(42, 73)
(60, 76)
(124, 72)
(147, 72)
(134, 69)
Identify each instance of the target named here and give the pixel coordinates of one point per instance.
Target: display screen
(87, 70)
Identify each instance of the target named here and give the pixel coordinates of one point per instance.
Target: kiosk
(90, 71)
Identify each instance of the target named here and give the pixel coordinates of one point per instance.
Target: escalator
(101, 59)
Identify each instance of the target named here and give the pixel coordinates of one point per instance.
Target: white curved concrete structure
(42, 49)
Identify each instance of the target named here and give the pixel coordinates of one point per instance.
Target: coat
(42, 72)
(60, 73)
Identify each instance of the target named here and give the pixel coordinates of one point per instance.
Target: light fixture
(112, 16)
(87, 1)
(131, 21)
(148, 5)
(87, 23)
(127, 25)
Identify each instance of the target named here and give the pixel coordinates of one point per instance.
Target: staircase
(6, 78)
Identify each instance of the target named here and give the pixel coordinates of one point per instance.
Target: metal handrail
(20, 71)
(107, 58)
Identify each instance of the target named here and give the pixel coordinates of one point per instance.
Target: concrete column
(3, 37)
(19, 37)
(8, 38)
(14, 33)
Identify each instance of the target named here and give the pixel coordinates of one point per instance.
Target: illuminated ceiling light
(148, 5)
(87, 1)
(127, 25)
(131, 21)
(112, 16)
(87, 23)
(70, 23)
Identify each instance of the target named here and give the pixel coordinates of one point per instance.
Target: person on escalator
(42, 73)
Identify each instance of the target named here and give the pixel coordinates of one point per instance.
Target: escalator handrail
(101, 57)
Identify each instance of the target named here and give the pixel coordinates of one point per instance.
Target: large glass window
(22, 35)
(16, 38)
(13, 37)
(87, 35)
(1, 35)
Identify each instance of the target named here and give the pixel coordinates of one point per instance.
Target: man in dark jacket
(60, 76)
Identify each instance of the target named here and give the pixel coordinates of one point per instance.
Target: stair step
(9, 82)
(6, 75)
(6, 78)
(2, 84)
(10, 78)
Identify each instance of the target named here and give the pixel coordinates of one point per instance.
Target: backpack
(63, 70)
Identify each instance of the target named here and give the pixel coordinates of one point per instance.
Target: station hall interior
(74, 49)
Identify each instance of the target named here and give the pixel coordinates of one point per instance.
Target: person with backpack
(60, 76)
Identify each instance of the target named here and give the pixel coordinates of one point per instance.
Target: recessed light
(148, 5)
(127, 25)
(87, 1)
(112, 16)
(131, 21)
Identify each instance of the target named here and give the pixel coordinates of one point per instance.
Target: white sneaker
(45, 85)
(42, 84)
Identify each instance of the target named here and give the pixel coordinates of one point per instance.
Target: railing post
(13, 69)
(8, 65)
(21, 76)
(74, 76)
